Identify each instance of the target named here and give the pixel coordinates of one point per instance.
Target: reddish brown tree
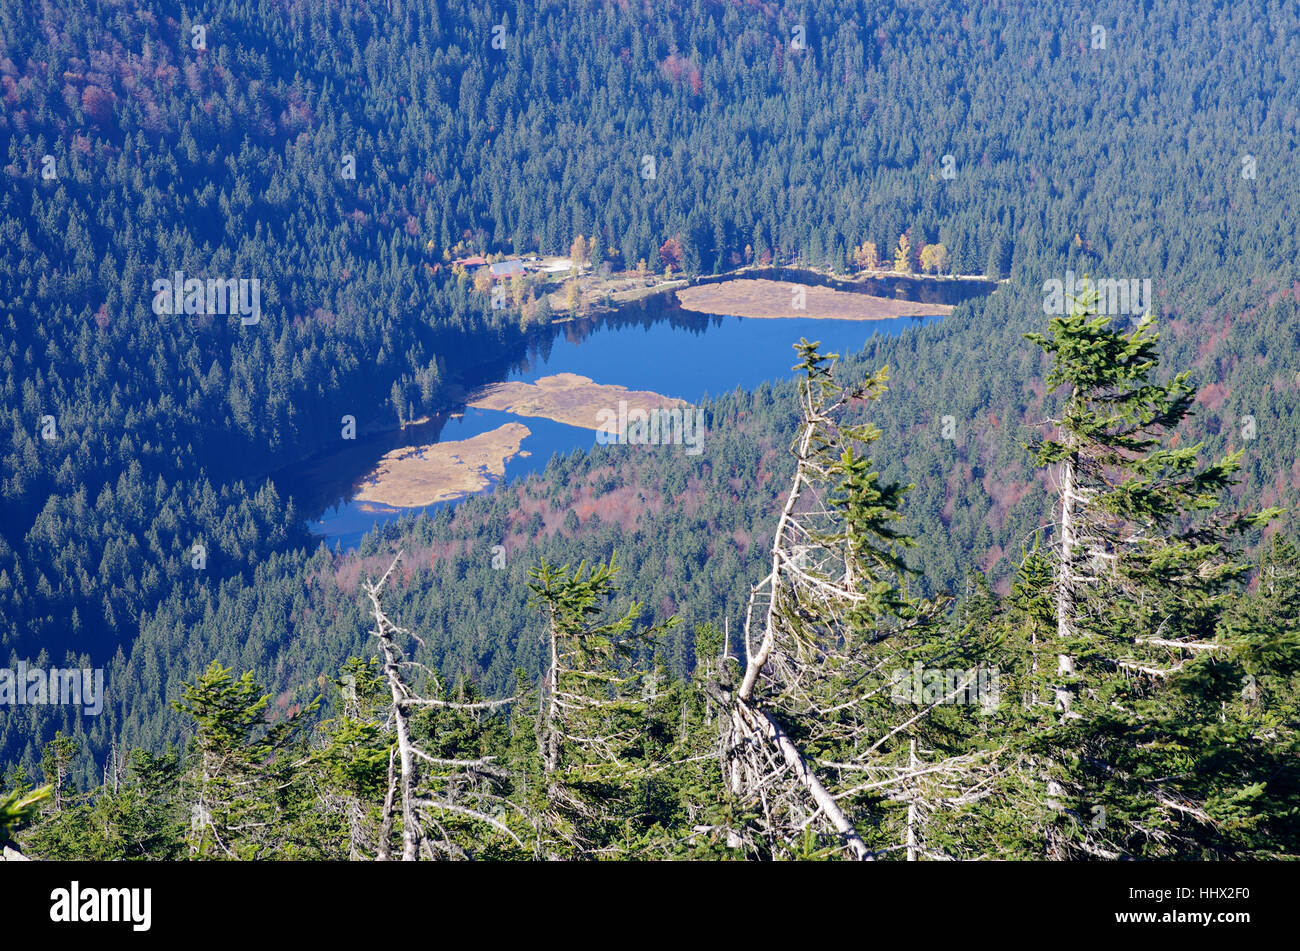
(97, 103)
(670, 252)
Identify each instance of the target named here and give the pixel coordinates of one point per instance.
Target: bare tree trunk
(1065, 629)
(410, 828)
(1065, 580)
(759, 659)
(911, 806)
(386, 828)
(397, 689)
(808, 779)
(551, 746)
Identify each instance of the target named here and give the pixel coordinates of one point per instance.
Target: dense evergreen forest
(1131, 697)
(342, 154)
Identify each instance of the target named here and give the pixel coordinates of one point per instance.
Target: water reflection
(650, 344)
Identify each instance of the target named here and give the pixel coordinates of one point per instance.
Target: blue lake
(650, 345)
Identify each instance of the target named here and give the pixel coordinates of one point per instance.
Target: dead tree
(926, 788)
(819, 630)
(427, 788)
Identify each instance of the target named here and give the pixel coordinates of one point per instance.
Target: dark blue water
(346, 521)
(653, 345)
(715, 356)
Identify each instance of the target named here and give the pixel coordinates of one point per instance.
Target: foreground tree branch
(418, 793)
(818, 627)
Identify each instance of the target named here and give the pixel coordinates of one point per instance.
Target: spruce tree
(817, 740)
(592, 717)
(238, 766)
(1143, 568)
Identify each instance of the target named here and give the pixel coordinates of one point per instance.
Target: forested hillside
(343, 154)
(847, 718)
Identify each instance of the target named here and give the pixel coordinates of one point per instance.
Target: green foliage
(240, 777)
(16, 807)
(227, 162)
(1154, 752)
(599, 742)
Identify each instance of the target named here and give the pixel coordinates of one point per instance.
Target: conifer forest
(693, 430)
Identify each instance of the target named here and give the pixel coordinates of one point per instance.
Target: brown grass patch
(771, 299)
(416, 476)
(567, 398)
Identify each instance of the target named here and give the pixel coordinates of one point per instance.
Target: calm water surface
(650, 345)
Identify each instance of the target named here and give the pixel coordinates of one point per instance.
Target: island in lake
(759, 297)
(567, 398)
(418, 476)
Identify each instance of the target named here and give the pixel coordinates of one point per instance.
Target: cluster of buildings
(510, 266)
(504, 270)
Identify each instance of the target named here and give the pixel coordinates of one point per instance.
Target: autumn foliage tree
(866, 256)
(934, 259)
(671, 253)
(903, 255)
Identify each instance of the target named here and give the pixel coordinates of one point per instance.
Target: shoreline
(764, 299)
(457, 397)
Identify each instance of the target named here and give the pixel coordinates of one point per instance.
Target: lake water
(648, 345)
